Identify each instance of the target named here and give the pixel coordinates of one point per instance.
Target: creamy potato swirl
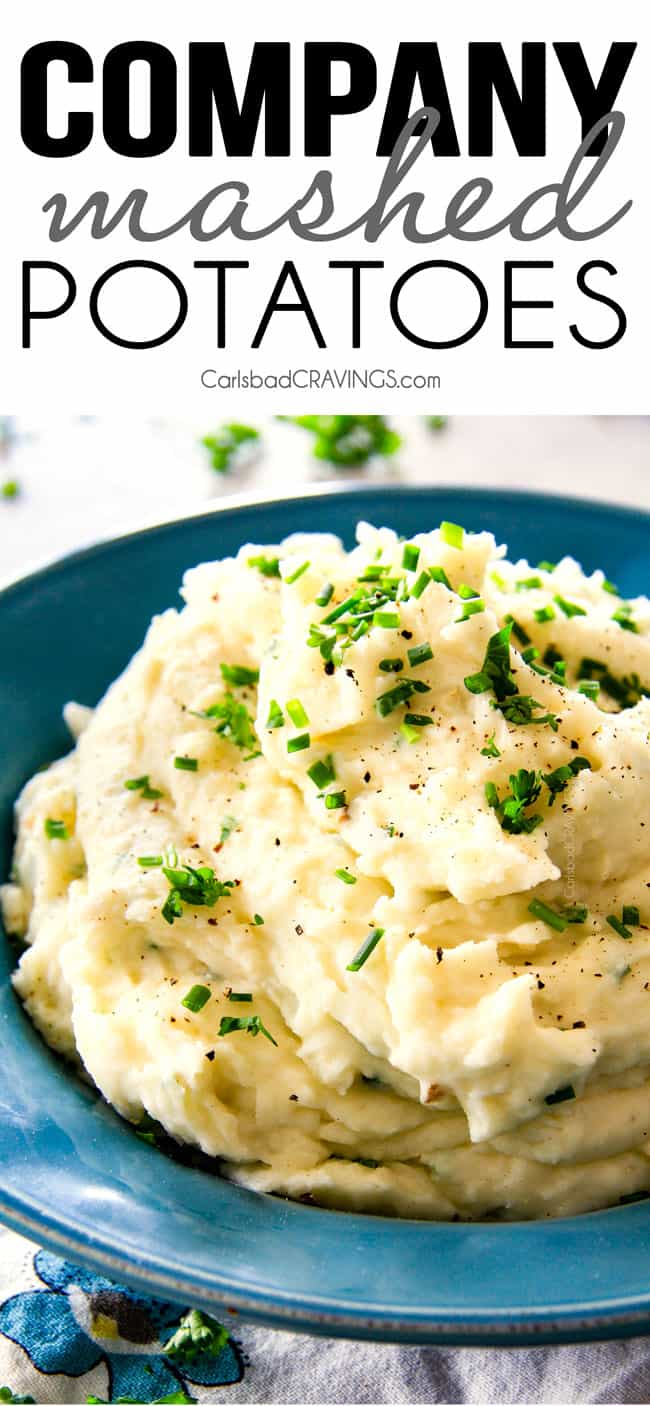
(346, 880)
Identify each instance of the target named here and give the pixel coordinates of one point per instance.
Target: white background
(82, 480)
(71, 367)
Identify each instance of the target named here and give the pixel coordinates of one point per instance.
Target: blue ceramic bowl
(73, 1176)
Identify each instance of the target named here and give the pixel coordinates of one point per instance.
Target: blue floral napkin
(69, 1336)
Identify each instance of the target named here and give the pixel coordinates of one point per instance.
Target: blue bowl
(73, 1176)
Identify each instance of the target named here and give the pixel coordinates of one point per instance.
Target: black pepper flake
(329, 667)
(540, 985)
(578, 1025)
(277, 841)
(574, 744)
(212, 922)
(300, 930)
(439, 953)
(209, 1054)
(406, 634)
(367, 778)
(293, 1098)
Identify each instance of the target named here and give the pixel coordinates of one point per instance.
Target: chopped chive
(258, 920)
(410, 557)
(569, 608)
(623, 617)
(325, 594)
(438, 573)
(228, 826)
(518, 630)
(141, 784)
(252, 1024)
(419, 654)
(341, 609)
(391, 666)
(386, 619)
(529, 654)
(345, 876)
(186, 763)
(490, 749)
(10, 488)
(299, 571)
(561, 1095)
(417, 720)
(467, 592)
(618, 926)
(470, 607)
(335, 800)
(299, 743)
(267, 566)
(276, 716)
(544, 613)
(366, 948)
(529, 583)
(196, 998)
(239, 675)
(631, 915)
(452, 534)
(297, 713)
(547, 915)
(611, 589)
(400, 693)
(56, 830)
(322, 772)
(420, 585)
(240, 996)
(546, 566)
(491, 794)
(590, 688)
(410, 734)
(150, 861)
(577, 913)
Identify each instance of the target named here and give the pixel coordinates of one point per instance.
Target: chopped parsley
(558, 780)
(141, 784)
(186, 763)
(490, 749)
(235, 723)
(258, 920)
(348, 440)
(196, 1333)
(267, 566)
(547, 915)
(365, 950)
(198, 887)
(251, 1024)
(238, 676)
(495, 672)
(56, 829)
(520, 710)
(224, 446)
(196, 998)
(399, 694)
(525, 789)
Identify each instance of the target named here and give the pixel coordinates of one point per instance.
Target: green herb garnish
(410, 557)
(276, 717)
(569, 608)
(490, 749)
(297, 713)
(299, 571)
(367, 947)
(631, 915)
(196, 1333)
(419, 654)
(186, 763)
(150, 861)
(623, 617)
(299, 743)
(228, 826)
(267, 566)
(400, 693)
(547, 915)
(234, 723)
(438, 573)
(238, 675)
(452, 534)
(322, 772)
(198, 887)
(251, 1024)
(335, 800)
(525, 789)
(348, 440)
(495, 672)
(225, 444)
(141, 784)
(558, 780)
(56, 829)
(196, 998)
(391, 666)
(345, 876)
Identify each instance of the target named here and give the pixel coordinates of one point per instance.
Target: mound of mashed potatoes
(346, 880)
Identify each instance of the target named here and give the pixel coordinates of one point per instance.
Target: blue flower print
(80, 1320)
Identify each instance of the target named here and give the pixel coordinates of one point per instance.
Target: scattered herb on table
(225, 445)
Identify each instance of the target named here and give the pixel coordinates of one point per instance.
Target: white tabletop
(83, 479)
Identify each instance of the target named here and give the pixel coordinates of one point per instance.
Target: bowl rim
(608, 1316)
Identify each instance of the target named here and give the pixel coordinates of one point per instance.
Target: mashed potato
(346, 879)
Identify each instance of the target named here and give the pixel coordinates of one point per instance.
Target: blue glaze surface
(77, 1179)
